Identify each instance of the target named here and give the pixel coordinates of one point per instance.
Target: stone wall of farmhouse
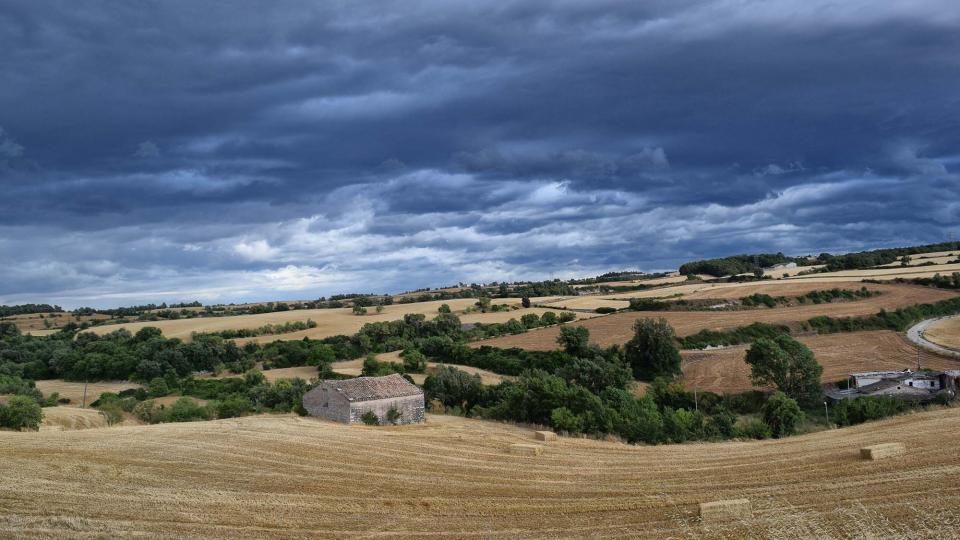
(327, 403)
(409, 407)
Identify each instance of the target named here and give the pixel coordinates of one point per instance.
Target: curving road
(915, 334)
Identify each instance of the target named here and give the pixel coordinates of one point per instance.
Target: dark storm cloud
(242, 150)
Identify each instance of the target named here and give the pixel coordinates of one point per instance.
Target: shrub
(233, 406)
(21, 413)
(563, 419)
(782, 414)
(393, 415)
(370, 419)
(567, 316)
(754, 429)
(603, 310)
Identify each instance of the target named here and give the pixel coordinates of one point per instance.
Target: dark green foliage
(25, 309)
(370, 419)
(453, 388)
(870, 259)
(737, 264)
(21, 412)
(899, 320)
(574, 339)
(754, 429)
(762, 300)
(743, 334)
(265, 330)
(782, 414)
(232, 406)
(652, 352)
(413, 361)
(788, 365)
(648, 304)
(393, 415)
(867, 408)
(525, 301)
(605, 310)
(567, 316)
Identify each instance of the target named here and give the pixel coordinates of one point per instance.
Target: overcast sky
(237, 150)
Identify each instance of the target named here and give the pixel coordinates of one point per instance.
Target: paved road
(915, 334)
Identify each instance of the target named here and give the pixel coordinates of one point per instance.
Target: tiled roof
(369, 388)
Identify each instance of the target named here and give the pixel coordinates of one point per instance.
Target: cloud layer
(233, 151)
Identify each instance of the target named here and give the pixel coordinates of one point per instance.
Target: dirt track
(290, 477)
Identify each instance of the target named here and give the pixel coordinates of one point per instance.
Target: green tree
(483, 303)
(20, 413)
(444, 308)
(782, 414)
(788, 365)
(413, 361)
(574, 340)
(359, 310)
(525, 301)
(652, 352)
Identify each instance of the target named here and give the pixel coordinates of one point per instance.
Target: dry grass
(618, 328)
(70, 418)
(724, 370)
(74, 390)
(290, 477)
(945, 333)
(777, 274)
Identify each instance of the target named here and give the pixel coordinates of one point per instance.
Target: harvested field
(884, 273)
(723, 370)
(586, 302)
(74, 390)
(666, 280)
(330, 322)
(945, 333)
(618, 327)
(306, 373)
(291, 477)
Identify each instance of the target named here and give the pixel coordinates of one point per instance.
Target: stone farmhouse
(906, 384)
(348, 400)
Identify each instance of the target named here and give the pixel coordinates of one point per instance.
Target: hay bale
(725, 510)
(882, 451)
(545, 435)
(526, 449)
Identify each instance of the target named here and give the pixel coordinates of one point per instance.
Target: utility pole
(919, 360)
(84, 404)
(696, 402)
(826, 412)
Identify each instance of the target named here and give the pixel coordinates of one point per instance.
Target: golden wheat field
(724, 370)
(945, 332)
(290, 477)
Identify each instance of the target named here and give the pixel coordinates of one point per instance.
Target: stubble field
(945, 333)
(290, 477)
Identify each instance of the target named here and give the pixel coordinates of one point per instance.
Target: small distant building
(906, 384)
(349, 399)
